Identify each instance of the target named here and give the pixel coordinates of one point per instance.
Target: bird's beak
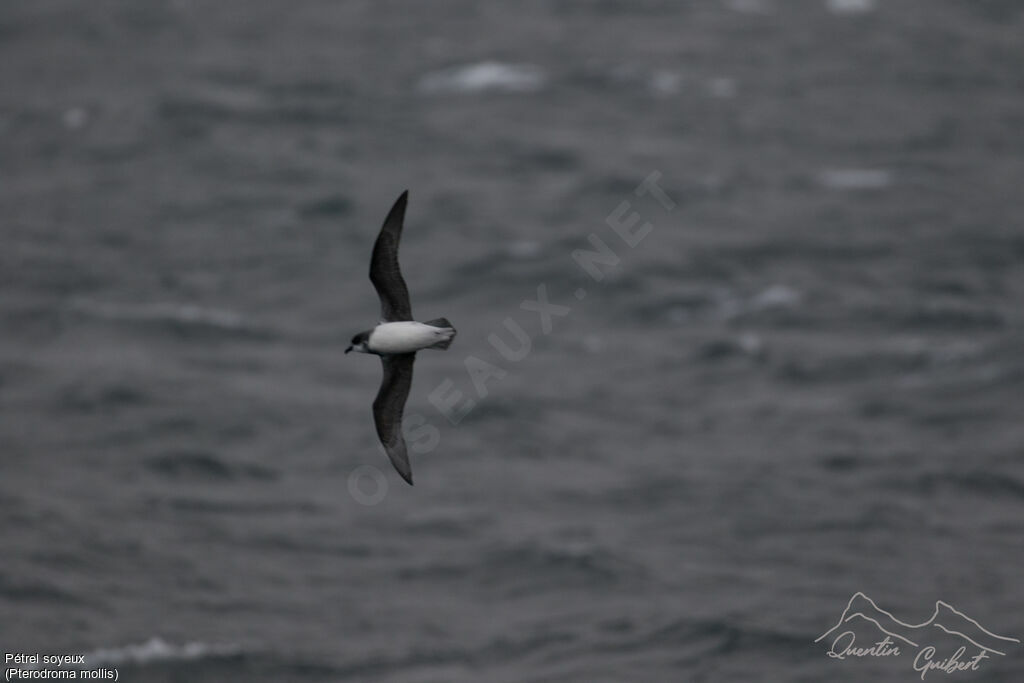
(348, 349)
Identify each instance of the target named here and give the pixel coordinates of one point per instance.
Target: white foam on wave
(188, 314)
(750, 343)
(855, 178)
(484, 76)
(730, 305)
(849, 6)
(75, 117)
(523, 249)
(941, 353)
(722, 86)
(776, 296)
(157, 649)
(724, 303)
(593, 343)
(750, 6)
(665, 82)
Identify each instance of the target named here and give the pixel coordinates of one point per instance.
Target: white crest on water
(154, 650)
(855, 178)
(850, 6)
(484, 76)
(182, 313)
(750, 6)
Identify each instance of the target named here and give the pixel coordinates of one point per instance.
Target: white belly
(403, 337)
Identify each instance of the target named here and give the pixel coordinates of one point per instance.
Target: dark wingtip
(404, 470)
(396, 215)
(400, 461)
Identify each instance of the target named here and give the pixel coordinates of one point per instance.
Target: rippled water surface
(804, 380)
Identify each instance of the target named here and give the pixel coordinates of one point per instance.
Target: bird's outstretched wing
(388, 407)
(384, 272)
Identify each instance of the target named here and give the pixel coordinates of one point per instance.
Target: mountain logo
(949, 641)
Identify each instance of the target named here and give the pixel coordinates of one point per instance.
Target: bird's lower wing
(388, 408)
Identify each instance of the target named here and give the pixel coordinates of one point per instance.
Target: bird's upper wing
(388, 407)
(384, 272)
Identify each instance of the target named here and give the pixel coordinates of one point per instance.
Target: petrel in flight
(396, 338)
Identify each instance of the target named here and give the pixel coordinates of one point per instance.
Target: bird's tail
(447, 327)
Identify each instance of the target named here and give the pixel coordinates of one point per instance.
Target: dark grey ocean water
(805, 381)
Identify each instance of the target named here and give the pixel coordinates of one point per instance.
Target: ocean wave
(974, 482)
(86, 397)
(725, 304)
(691, 639)
(747, 344)
(659, 81)
(484, 76)
(210, 105)
(331, 205)
(533, 566)
(855, 178)
(847, 7)
(854, 366)
(218, 505)
(183, 318)
(36, 591)
(944, 316)
(751, 6)
(528, 565)
(157, 649)
(196, 465)
(182, 313)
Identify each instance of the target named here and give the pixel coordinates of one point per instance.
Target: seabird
(396, 338)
